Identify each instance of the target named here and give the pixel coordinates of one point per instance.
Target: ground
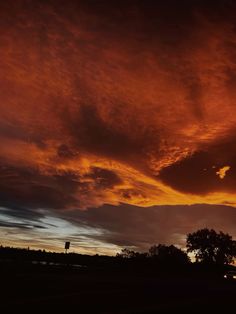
(52, 289)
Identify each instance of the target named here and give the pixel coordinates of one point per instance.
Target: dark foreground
(39, 289)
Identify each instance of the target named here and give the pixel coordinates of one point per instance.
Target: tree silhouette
(168, 254)
(211, 247)
(126, 253)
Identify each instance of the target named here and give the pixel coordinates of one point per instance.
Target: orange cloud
(124, 103)
(222, 172)
(131, 106)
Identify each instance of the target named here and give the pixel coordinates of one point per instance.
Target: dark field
(39, 288)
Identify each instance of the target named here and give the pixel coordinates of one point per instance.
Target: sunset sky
(117, 122)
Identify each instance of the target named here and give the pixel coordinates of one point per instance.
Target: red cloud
(116, 103)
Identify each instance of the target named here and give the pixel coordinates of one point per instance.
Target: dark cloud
(127, 225)
(104, 178)
(64, 151)
(132, 193)
(95, 134)
(23, 189)
(198, 173)
(23, 226)
(17, 212)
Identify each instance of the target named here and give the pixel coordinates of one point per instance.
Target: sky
(117, 122)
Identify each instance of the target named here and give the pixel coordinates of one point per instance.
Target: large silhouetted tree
(211, 247)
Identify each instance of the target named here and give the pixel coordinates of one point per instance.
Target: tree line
(206, 245)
